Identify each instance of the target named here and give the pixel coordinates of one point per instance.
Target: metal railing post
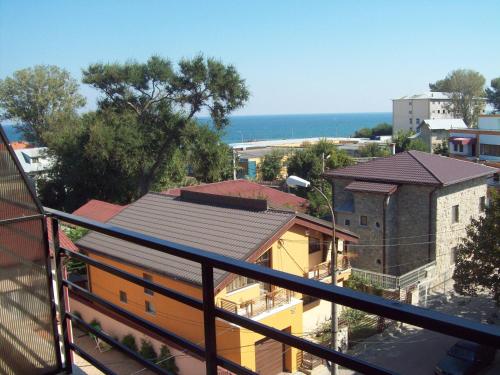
(207, 274)
(60, 294)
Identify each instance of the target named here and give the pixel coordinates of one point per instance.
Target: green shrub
(96, 325)
(166, 361)
(129, 342)
(148, 351)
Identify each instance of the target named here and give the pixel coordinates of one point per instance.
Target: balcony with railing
(26, 269)
(322, 271)
(265, 302)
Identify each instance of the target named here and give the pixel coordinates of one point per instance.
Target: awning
(462, 140)
(371, 187)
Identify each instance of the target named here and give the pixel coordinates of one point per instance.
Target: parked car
(465, 358)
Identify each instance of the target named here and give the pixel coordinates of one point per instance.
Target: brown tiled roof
(98, 210)
(414, 167)
(232, 232)
(371, 187)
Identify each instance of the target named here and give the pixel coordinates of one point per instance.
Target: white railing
(386, 281)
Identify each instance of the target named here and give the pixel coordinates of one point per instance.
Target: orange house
(237, 227)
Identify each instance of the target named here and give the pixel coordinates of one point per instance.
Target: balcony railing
(322, 270)
(386, 281)
(424, 318)
(255, 306)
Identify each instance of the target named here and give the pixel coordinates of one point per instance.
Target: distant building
(409, 111)
(98, 210)
(34, 161)
(246, 189)
(410, 211)
(434, 132)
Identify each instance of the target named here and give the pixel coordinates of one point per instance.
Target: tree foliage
(271, 166)
(493, 94)
(405, 142)
(308, 164)
(34, 97)
(144, 134)
(380, 129)
(442, 148)
(167, 361)
(478, 256)
(466, 90)
(129, 342)
(147, 351)
(374, 150)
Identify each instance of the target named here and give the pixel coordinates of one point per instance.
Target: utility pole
(234, 164)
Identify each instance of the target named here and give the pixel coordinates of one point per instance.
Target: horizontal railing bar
(167, 292)
(186, 344)
(302, 344)
(134, 318)
(21, 218)
(433, 320)
(115, 344)
(89, 358)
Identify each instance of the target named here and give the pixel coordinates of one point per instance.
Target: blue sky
(296, 56)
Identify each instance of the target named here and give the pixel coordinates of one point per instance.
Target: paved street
(414, 351)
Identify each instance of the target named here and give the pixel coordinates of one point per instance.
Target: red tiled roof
(98, 210)
(64, 240)
(371, 187)
(414, 167)
(248, 189)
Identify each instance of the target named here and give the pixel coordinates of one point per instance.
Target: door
(269, 357)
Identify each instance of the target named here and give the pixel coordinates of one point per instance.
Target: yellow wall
(289, 254)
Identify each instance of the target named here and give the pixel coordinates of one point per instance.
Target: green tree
(167, 361)
(466, 91)
(148, 351)
(34, 97)
(442, 148)
(210, 159)
(129, 342)
(493, 94)
(308, 164)
(405, 142)
(165, 100)
(271, 166)
(144, 134)
(478, 256)
(374, 150)
(380, 129)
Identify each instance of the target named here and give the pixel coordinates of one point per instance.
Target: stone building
(409, 210)
(435, 132)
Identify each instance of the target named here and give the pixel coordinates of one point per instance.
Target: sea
(272, 127)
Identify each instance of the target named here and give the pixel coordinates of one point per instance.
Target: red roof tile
(98, 210)
(64, 240)
(248, 189)
(371, 187)
(414, 167)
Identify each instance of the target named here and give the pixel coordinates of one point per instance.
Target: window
(314, 244)
(418, 121)
(363, 220)
(347, 222)
(239, 282)
(455, 147)
(461, 147)
(455, 214)
(491, 150)
(482, 203)
(147, 291)
(411, 121)
(150, 308)
(410, 111)
(439, 111)
(123, 296)
(453, 255)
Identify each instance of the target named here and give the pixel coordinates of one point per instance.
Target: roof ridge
(423, 165)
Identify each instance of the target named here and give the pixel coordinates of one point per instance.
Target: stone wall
(448, 235)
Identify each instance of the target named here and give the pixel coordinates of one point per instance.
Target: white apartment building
(409, 111)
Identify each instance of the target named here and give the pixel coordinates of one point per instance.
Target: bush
(148, 351)
(380, 129)
(129, 342)
(96, 325)
(374, 150)
(166, 361)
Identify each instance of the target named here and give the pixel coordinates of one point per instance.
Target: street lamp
(295, 181)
